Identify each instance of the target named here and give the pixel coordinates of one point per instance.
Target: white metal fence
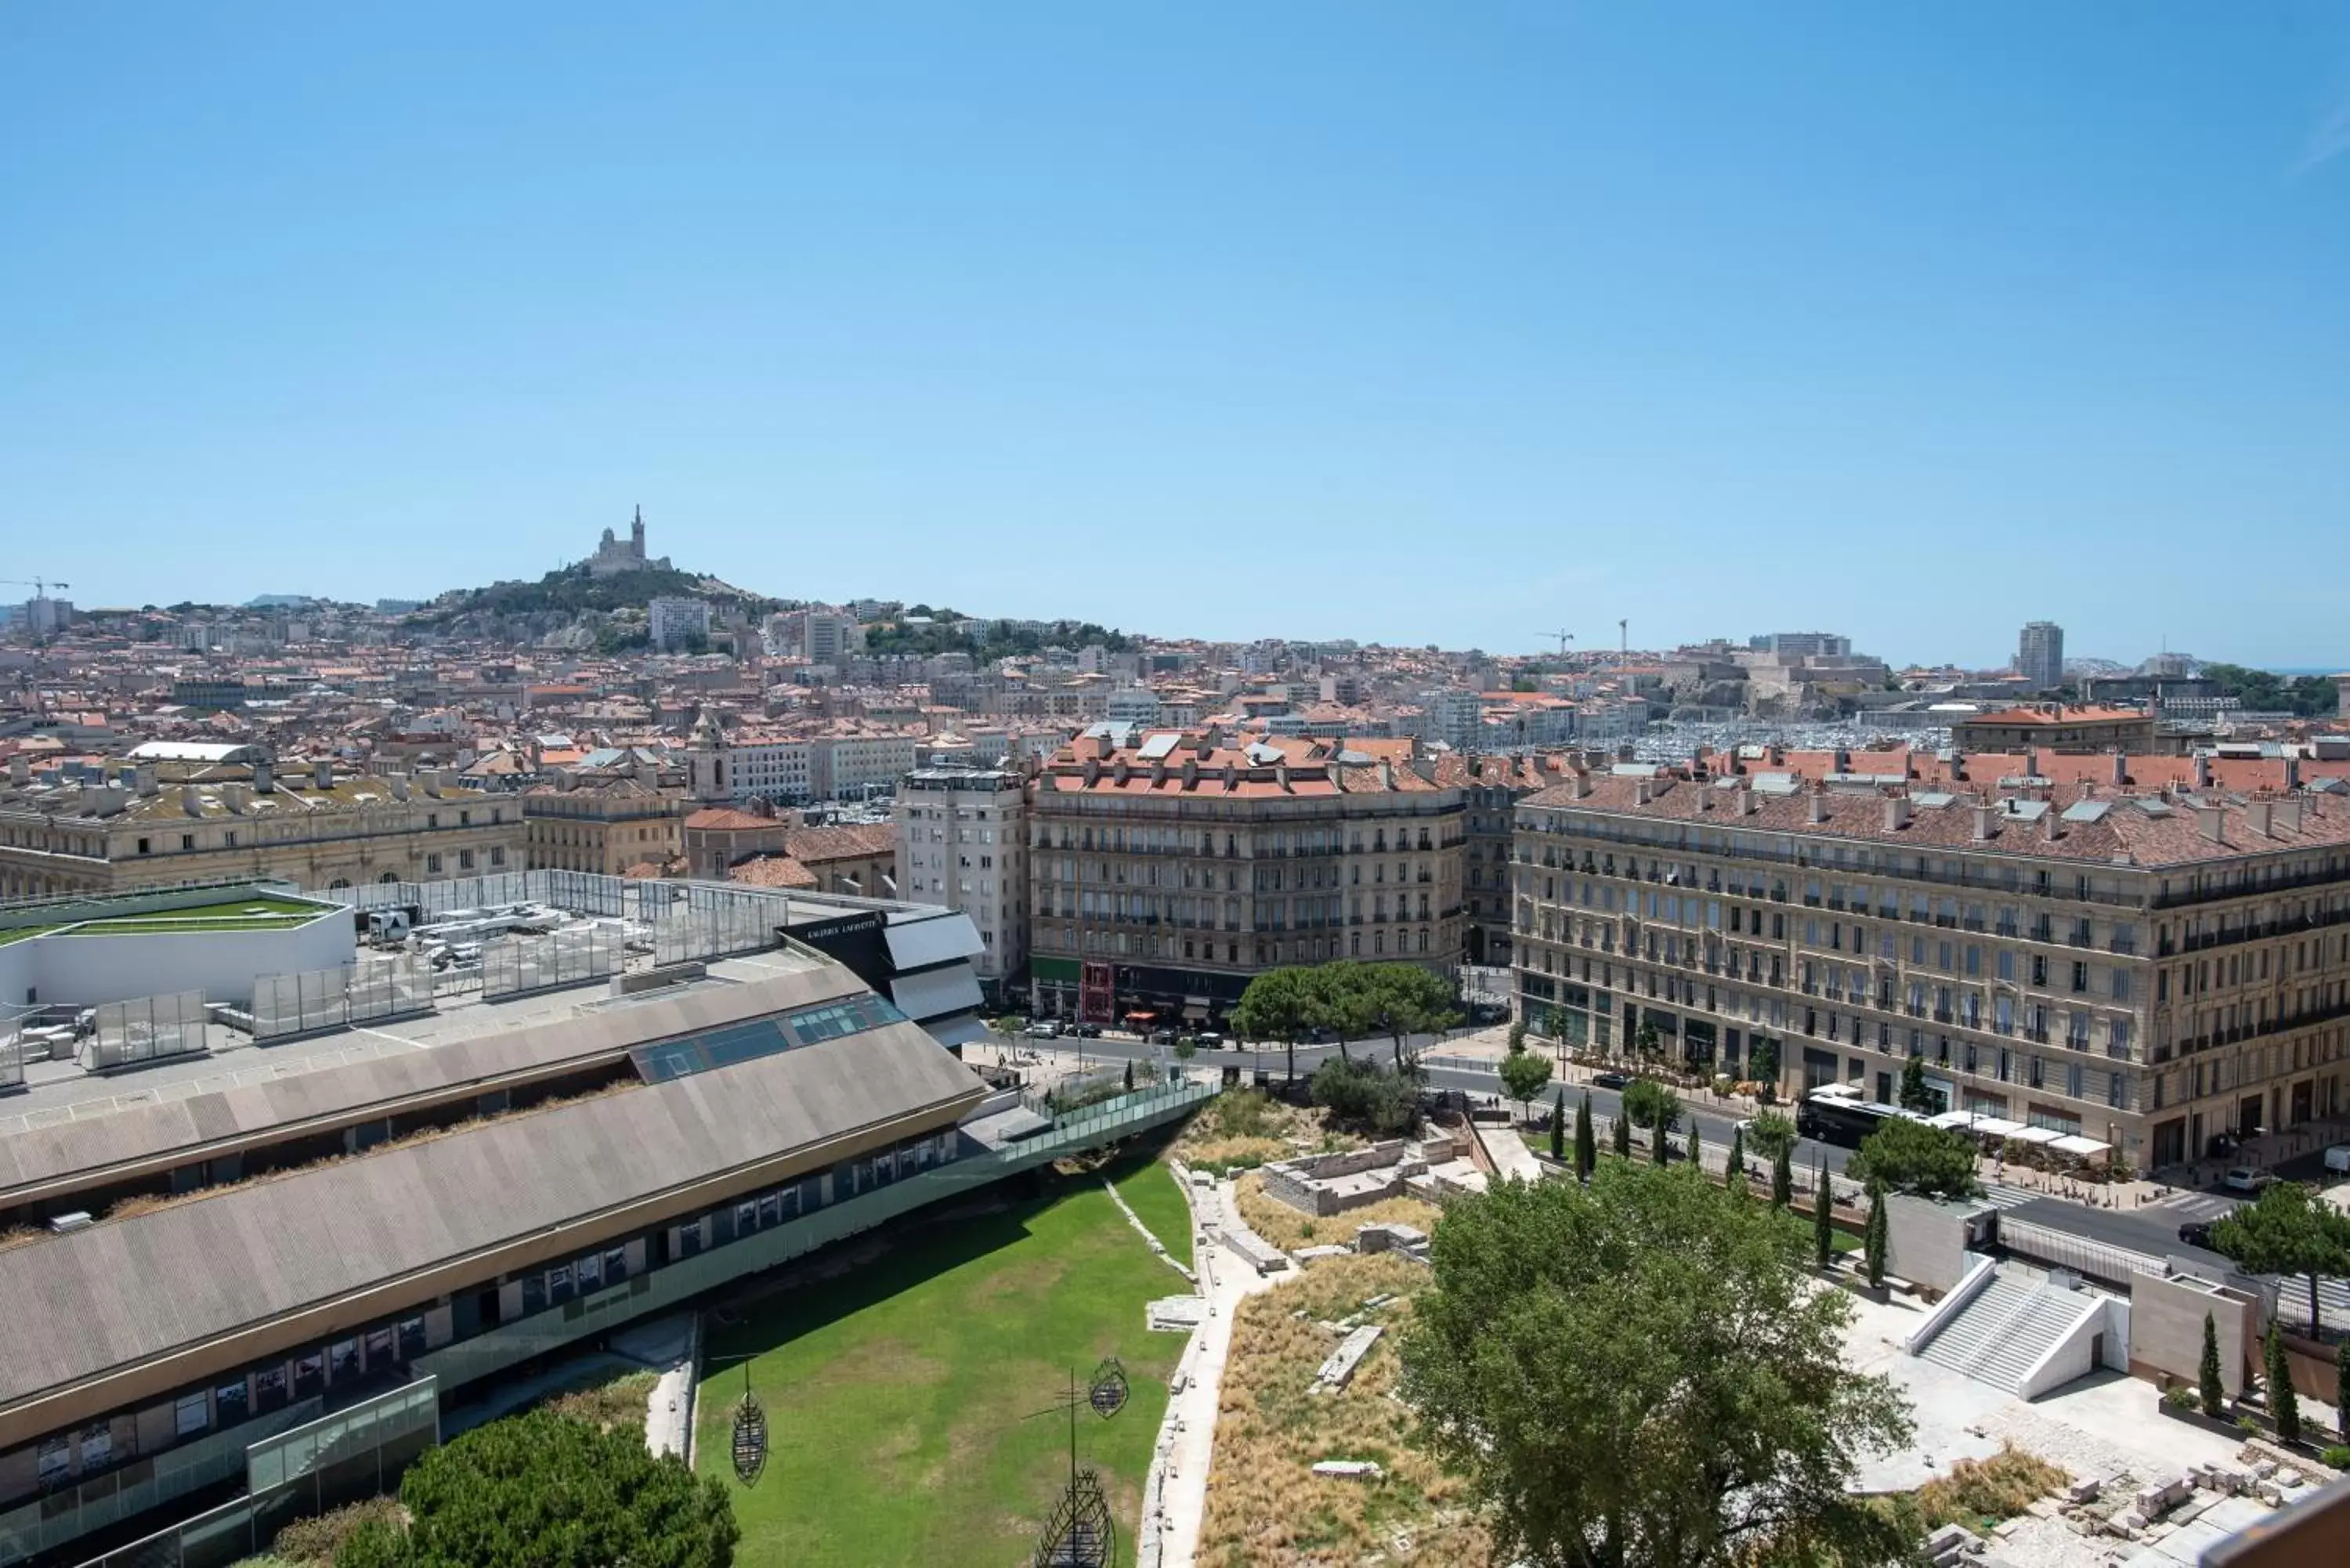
(359, 992)
(572, 956)
(147, 1029)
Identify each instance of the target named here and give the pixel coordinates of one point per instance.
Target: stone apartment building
(2057, 727)
(962, 841)
(1167, 869)
(158, 824)
(2147, 967)
(602, 822)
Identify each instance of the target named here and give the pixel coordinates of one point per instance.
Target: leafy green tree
(1587, 1142)
(1649, 1104)
(1783, 1182)
(1558, 1129)
(1822, 1218)
(2288, 1229)
(1278, 1004)
(1914, 1095)
(1404, 1000)
(2284, 1406)
(2206, 1377)
(1646, 1042)
(1762, 1064)
(1874, 1238)
(1523, 1077)
(1517, 1036)
(1630, 1374)
(542, 1492)
(1911, 1156)
(1365, 1095)
(1771, 1133)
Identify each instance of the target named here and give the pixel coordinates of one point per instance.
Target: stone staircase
(2000, 1334)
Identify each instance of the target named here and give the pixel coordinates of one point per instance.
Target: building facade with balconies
(2151, 970)
(1166, 870)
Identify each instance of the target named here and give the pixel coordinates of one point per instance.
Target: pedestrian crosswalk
(1998, 1195)
(2189, 1205)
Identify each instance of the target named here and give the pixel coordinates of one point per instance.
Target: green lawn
(1149, 1189)
(255, 914)
(896, 1395)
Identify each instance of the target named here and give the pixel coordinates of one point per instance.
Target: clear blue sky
(1407, 322)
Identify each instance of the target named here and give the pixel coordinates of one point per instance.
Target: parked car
(1208, 1040)
(2245, 1178)
(2196, 1233)
(1089, 1031)
(1162, 1037)
(1045, 1029)
(2338, 1157)
(1611, 1079)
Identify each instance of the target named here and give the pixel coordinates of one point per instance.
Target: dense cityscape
(1537, 786)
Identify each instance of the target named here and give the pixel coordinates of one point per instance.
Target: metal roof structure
(184, 1129)
(110, 1297)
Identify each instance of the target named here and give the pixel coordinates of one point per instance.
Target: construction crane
(40, 586)
(1624, 630)
(1564, 638)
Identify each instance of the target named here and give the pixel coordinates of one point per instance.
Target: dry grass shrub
(1266, 1509)
(620, 1403)
(1980, 1491)
(1290, 1229)
(1243, 1128)
(315, 1540)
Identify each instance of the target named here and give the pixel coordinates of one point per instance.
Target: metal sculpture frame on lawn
(1080, 1532)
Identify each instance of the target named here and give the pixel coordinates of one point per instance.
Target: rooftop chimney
(262, 781)
(1190, 771)
(1896, 813)
(146, 780)
(2121, 767)
(1582, 782)
(1816, 810)
(2031, 762)
(1642, 792)
(20, 768)
(2259, 815)
(1705, 798)
(399, 786)
(190, 801)
(2210, 818)
(1986, 822)
(2288, 814)
(1093, 771)
(2293, 773)
(2203, 770)
(237, 797)
(1743, 798)
(325, 773)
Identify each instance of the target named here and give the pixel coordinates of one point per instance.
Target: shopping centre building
(253, 1232)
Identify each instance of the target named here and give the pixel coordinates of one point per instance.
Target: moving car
(1208, 1040)
(1045, 1029)
(1610, 1079)
(2245, 1178)
(2196, 1233)
(2338, 1157)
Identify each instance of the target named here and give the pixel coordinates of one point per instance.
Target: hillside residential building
(857, 767)
(156, 824)
(2148, 967)
(962, 841)
(676, 623)
(777, 770)
(1167, 869)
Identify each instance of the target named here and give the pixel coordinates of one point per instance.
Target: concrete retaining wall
(1925, 1242)
(2166, 1329)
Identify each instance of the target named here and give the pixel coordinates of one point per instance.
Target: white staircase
(2015, 1321)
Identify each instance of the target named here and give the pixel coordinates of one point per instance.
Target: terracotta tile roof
(773, 871)
(723, 819)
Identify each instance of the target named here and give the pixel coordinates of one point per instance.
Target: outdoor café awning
(2082, 1147)
(1950, 1119)
(1993, 1126)
(1140, 1015)
(2035, 1135)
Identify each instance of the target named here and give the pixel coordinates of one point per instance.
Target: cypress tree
(1129, 1075)
(1822, 1218)
(2207, 1377)
(2283, 1405)
(2342, 1386)
(1873, 1240)
(1558, 1129)
(1587, 1142)
(1782, 1180)
(1623, 1133)
(2341, 1390)
(1694, 1159)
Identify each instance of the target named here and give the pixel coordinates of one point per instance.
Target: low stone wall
(1299, 1182)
